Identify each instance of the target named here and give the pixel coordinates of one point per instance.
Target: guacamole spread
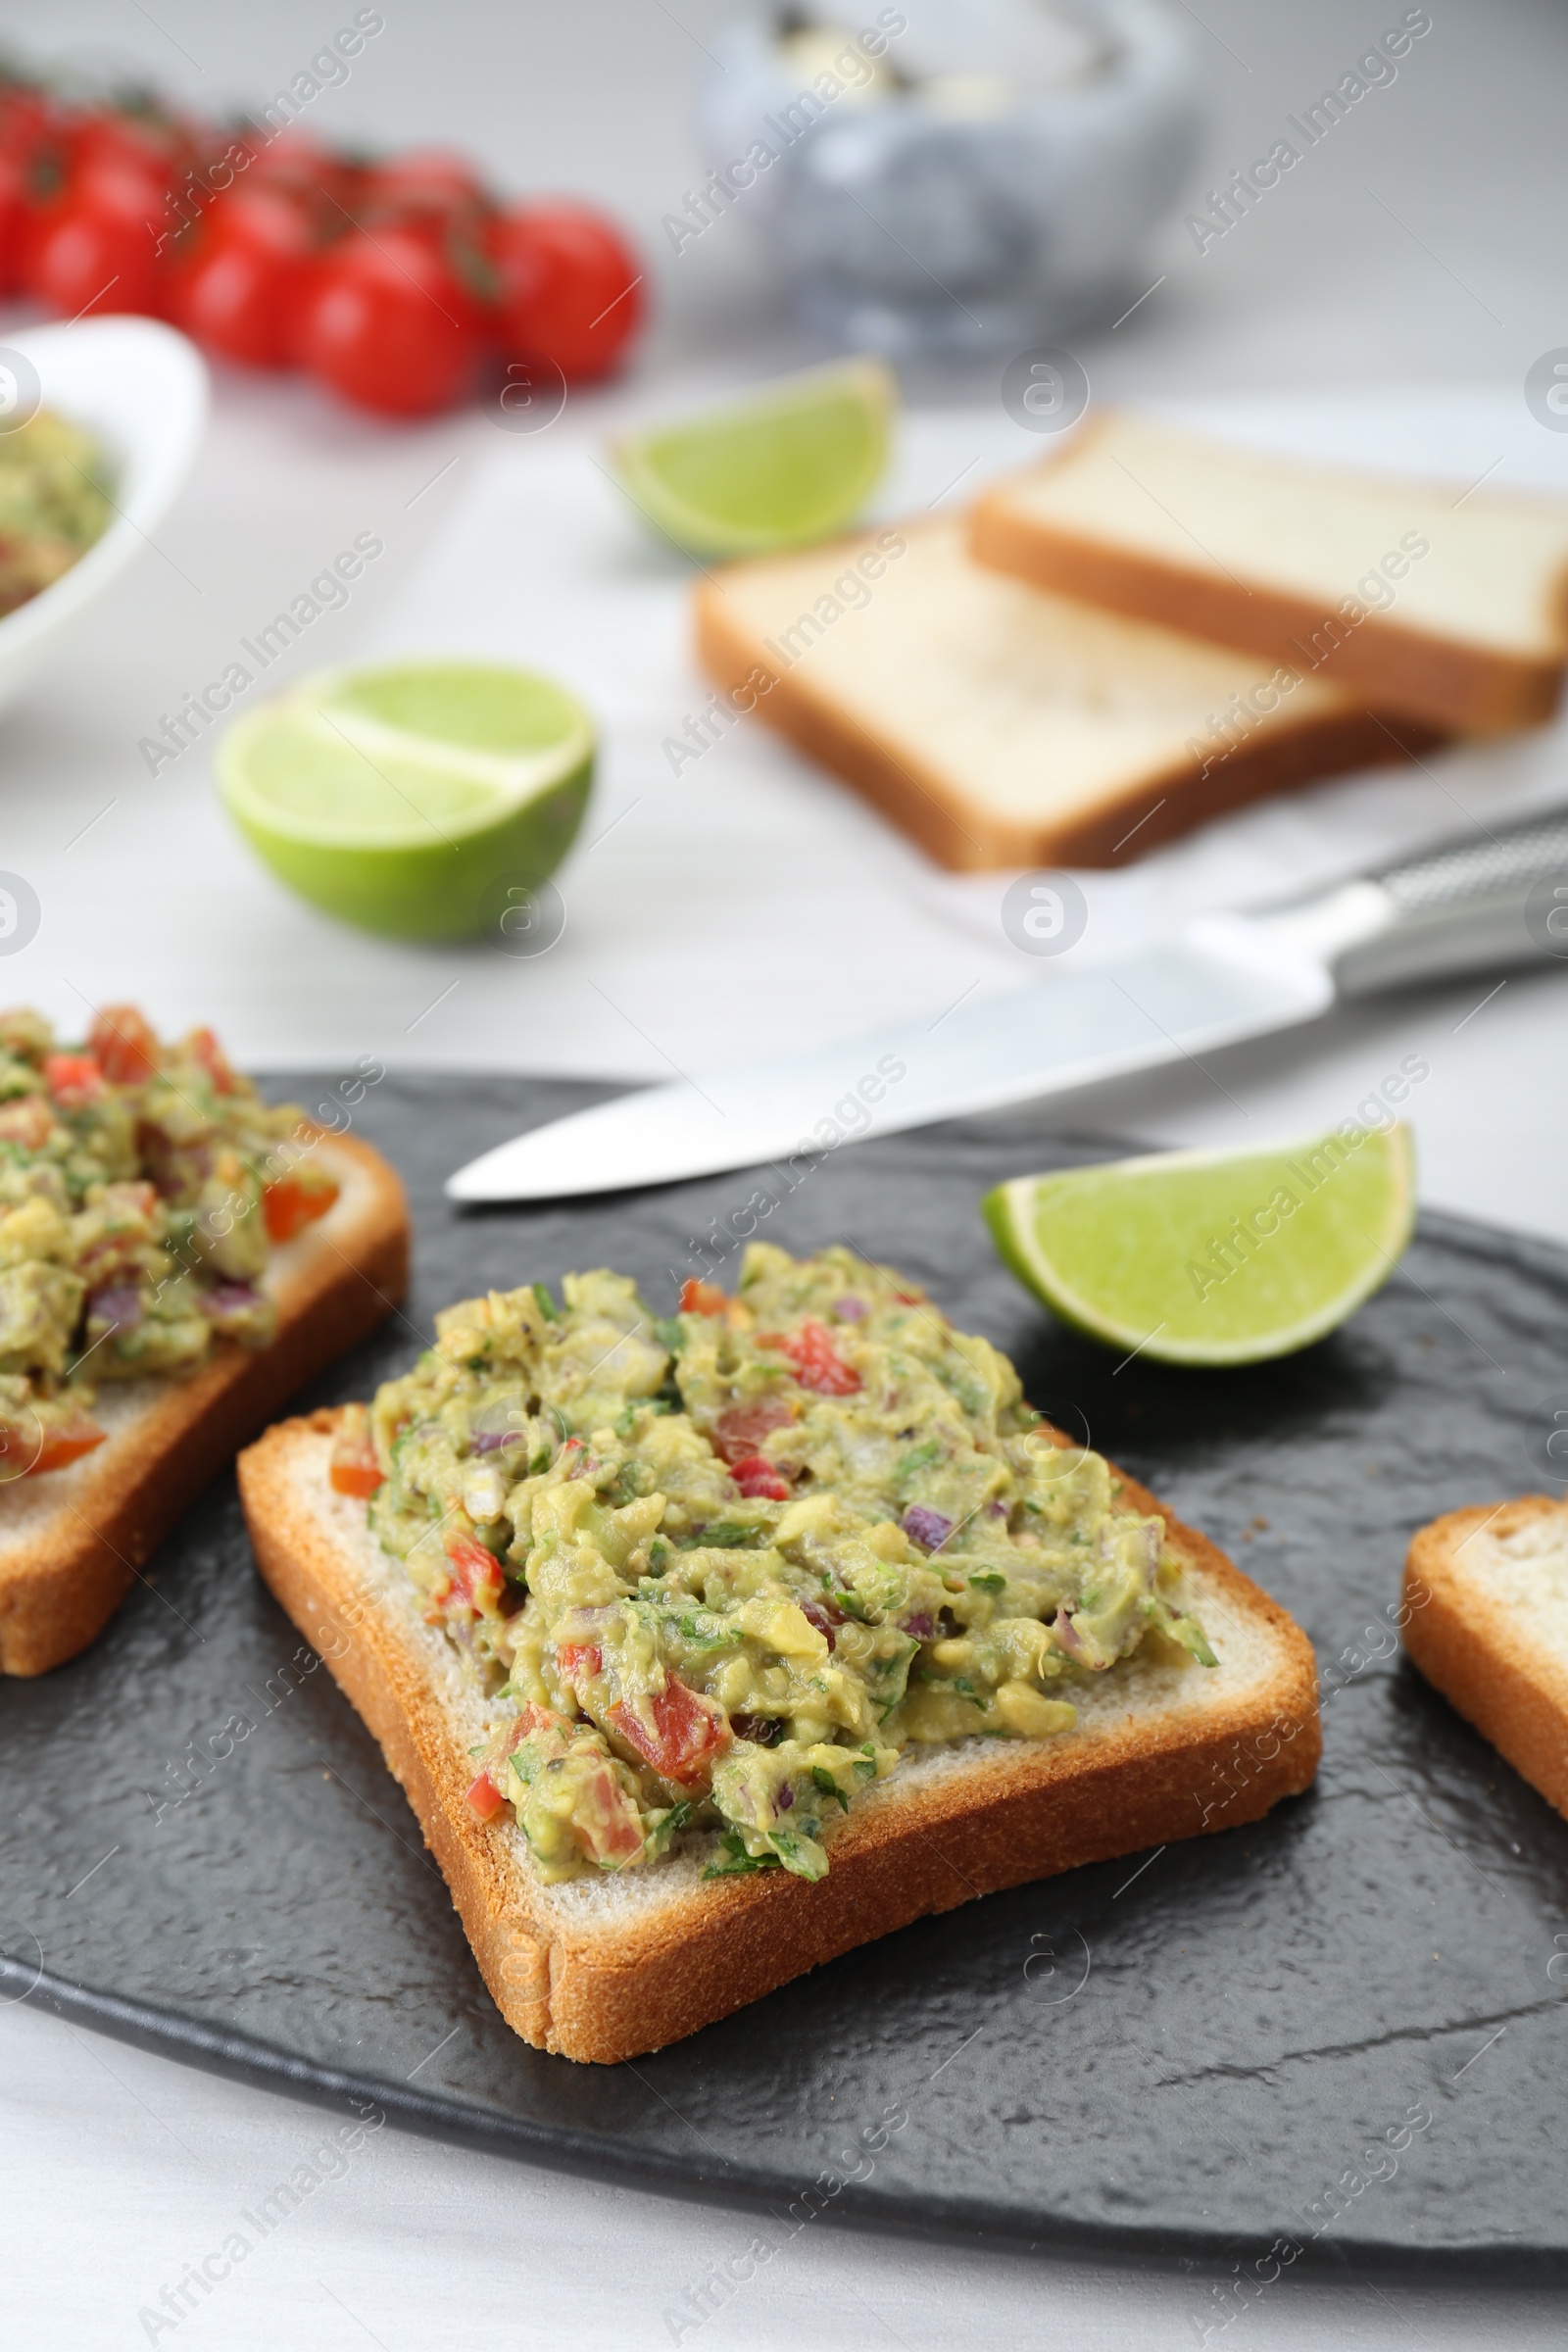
(54, 504)
(720, 1570)
(141, 1188)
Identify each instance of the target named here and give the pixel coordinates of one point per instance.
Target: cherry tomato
(27, 115)
(25, 125)
(46, 191)
(426, 181)
(125, 1044)
(238, 291)
(96, 250)
(12, 219)
(142, 138)
(389, 325)
(570, 288)
(328, 184)
(137, 146)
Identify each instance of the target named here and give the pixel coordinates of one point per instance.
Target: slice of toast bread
(606, 1966)
(1486, 1596)
(1003, 727)
(73, 1540)
(1447, 605)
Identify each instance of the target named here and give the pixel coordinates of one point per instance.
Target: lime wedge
(795, 464)
(1213, 1257)
(398, 799)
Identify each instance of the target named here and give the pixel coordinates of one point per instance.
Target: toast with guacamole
(706, 1647)
(1485, 1609)
(176, 1257)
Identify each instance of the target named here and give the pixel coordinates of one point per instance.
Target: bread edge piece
(926, 803)
(1443, 683)
(609, 1993)
(1514, 1698)
(57, 1596)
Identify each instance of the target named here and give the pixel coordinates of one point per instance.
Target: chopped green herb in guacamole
(718, 1570)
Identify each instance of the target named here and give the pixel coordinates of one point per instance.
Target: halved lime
(398, 798)
(1213, 1257)
(794, 465)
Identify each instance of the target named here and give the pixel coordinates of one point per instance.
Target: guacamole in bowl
(55, 503)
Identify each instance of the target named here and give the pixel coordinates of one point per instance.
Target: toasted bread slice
(72, 1540)
(1486, 1598)
(1002, 726)
(1447, 605)
(606, 1966)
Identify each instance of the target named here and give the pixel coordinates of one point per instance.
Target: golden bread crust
(1484, 1665)
(1447, 684)
(967, 838)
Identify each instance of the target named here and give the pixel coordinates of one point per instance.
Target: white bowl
(141, 390)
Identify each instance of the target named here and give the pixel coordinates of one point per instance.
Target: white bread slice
(1486, 1599)
(606, 1966)
(72, 1540)
(1005, 727)
(1258, 550)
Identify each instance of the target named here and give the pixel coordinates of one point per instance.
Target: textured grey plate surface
(1182, 2056)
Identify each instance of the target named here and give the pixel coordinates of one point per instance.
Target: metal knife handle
(1474, 905)
(1532, 849)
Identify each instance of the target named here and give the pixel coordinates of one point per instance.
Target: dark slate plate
(1185, 2056)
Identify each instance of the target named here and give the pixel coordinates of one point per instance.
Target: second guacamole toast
(696, 1670)
(72, 1541)
(178, 1257)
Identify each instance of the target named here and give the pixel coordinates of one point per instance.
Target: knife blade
(1463, 905)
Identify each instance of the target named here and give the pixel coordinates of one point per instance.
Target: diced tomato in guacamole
(354, 1468)
(125, 1044)
(294, 1200)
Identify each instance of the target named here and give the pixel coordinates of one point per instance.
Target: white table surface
(1402, 336)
